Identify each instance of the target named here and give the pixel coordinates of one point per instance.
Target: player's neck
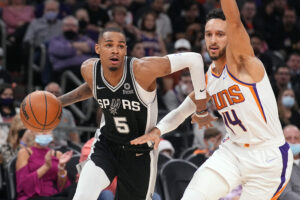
(113, 77)
(219, 65)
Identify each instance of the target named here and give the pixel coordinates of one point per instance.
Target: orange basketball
(40, 111)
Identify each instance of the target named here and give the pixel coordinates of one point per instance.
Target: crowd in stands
(69, 30)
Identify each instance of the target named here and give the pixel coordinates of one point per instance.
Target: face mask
(82, 24)
(6, 101)
(210, 145)
(43, 140)
(70, 35)
(288, 101)
(295, 149)
(184, 88)
(50, 15)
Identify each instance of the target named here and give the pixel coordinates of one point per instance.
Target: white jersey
(249, 111)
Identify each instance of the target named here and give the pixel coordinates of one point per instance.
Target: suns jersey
(249, 111)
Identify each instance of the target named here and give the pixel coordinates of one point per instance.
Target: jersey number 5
(121, 125)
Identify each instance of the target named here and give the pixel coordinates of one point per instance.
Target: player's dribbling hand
(203, 121)
(152, 136)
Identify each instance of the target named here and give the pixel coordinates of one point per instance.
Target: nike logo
(268, 161)
(100, 88)
(202, 90)
(138, 154)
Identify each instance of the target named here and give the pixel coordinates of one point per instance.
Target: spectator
(189, 22)
(70, 49)
(98, 16)
(84, 24)
(282, 80)
(165, 147)
(16, 15)
(212, 138)
(7, 109)
(137, 50)
(61, 137)
(249, 18)
(163, 22)
(293, 62)
(292, 190)
(40, 171)
(288, 108)
(258, 44)
(17, 138)
(287, 32)
(153, 43)
(174, 97)
(119, 14)
(43, 29)
(5, 76)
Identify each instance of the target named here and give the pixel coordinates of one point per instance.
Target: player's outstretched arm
(173, 119)
(239, 48)
(83, 91)
(150, 68)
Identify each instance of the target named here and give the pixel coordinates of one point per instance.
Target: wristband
(203, 113)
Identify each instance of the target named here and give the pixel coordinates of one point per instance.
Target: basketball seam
(33, 112)
(59, 109)
(46, 111)
(35, 126)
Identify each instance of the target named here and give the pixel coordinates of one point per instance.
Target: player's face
(112, 49)
(215, 38)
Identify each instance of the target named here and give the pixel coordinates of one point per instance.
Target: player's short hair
(215, 14)
(111, 29)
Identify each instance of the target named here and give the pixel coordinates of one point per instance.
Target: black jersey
(126, 115)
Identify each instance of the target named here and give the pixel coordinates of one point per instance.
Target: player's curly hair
(215, 14)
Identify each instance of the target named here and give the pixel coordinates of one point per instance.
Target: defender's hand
(203, 121)
(153, 136)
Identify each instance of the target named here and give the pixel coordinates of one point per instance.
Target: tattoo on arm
(81, 93)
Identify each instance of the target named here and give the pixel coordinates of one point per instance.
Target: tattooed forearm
(81, 93)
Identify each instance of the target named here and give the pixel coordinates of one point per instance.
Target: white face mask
(184, 89)
(288, 101)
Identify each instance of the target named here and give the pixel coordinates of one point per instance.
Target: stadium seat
(162, 159)
(175, 176)
(197, 159)
(10, 177)
(186, 153)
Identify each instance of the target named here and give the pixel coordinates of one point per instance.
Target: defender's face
(112, 49)
(215, 38)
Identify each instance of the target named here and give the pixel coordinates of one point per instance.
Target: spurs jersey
(249, 111)
(129, 110)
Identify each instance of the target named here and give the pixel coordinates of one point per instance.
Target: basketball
(40, 111)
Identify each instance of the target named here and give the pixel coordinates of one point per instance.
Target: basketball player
(125, 89)
(254, 153)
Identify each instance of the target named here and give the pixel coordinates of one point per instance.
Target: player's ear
(97, 49)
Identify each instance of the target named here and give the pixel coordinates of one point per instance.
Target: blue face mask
(6, 101)
(288, 101)
(50, 15)
(43, 140)
(295, 149)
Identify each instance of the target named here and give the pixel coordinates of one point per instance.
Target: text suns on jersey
(114, 104)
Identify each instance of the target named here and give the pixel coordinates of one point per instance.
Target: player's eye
(108, 45)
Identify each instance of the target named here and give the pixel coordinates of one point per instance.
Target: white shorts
(263, 172)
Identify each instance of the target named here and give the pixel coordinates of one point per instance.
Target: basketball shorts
(263, 172)
(135, 170)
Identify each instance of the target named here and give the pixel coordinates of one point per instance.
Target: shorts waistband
(262, 144)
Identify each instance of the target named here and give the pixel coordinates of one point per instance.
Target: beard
(221, 54)
(113, 69)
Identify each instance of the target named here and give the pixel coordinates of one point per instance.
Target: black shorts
(136, 170)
